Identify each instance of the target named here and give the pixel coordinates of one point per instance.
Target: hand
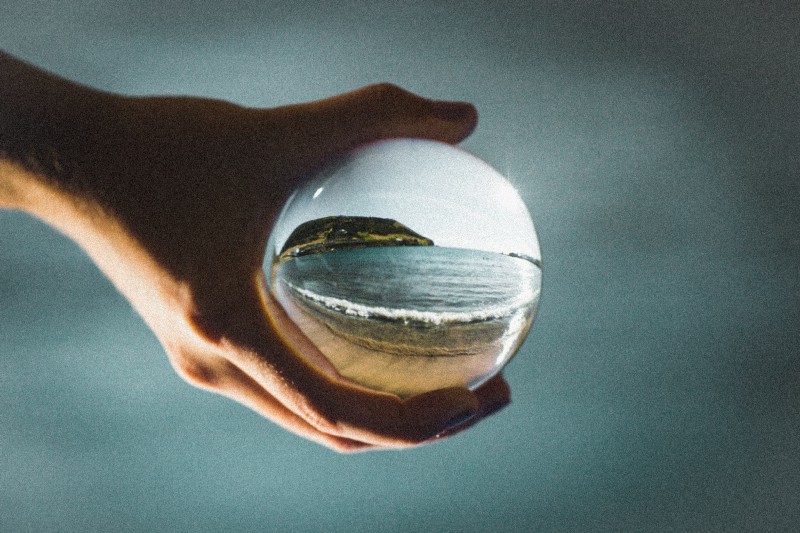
(175, 200)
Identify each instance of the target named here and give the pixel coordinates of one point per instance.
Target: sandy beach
(394, 366)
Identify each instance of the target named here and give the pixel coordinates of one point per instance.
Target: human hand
(175, 200)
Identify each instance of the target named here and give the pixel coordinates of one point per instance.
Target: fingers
(349, 410)
(320, 130)
(241, 388)
(493, 396)
(213, 372)
(263, 362)
(263, 342)
(391, 422)
(385, 111)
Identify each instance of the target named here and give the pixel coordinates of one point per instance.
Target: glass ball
(412, 265)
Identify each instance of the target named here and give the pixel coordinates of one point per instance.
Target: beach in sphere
(411, 265)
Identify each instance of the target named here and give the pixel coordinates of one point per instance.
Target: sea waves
(420, 317)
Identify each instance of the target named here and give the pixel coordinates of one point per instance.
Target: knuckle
(324, 424)
(194, 371)
(386, 90)
(388, 95)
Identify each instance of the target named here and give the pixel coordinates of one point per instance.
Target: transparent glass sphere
(411, 264)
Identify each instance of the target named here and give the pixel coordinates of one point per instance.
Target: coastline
(407, 338)
(388, 371)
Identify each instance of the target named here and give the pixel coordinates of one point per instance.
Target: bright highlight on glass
(412, 265)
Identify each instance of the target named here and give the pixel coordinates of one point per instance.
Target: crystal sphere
(412, 265)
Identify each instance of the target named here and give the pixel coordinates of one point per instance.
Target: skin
(174, 197)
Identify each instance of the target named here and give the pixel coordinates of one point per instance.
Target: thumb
(325, 128)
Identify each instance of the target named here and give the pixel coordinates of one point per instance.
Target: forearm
(53, 134)
(55, 141)
(60, 161)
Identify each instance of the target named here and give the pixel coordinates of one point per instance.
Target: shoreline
(399, 374)
(408, 338)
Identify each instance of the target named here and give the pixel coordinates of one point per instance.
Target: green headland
(347, 232)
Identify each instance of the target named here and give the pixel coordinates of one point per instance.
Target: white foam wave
(525, 298)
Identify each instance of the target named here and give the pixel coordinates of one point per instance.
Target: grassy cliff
(345, 232)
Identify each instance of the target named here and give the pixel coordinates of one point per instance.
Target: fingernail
(452, 111)
(493, 408)
(458, 421)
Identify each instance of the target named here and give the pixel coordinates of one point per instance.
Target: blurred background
(656, 145)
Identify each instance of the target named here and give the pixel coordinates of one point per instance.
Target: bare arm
(173, 199)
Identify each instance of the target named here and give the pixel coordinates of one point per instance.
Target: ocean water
(408, 319)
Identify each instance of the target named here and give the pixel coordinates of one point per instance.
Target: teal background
(657, 147)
